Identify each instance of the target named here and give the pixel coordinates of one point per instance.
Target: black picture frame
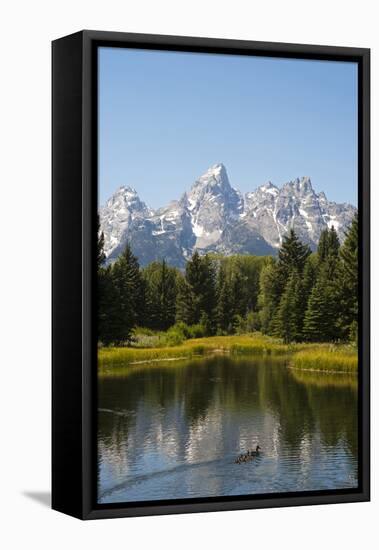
(74, 206)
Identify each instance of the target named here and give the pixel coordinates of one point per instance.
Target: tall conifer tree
(185, 302)
(128, 285)
(109, 318)
(323, 245)
(161, 290)
(270, 293)
(288, 321)
(292, 255)
(320, 321)
(100, 245)
(348, 283)
(199, 295)
(224, 301)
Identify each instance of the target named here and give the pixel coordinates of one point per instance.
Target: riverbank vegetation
(303, 356)
(329, 359)
(255, 344)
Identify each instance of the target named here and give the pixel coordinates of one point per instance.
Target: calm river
(174, 430)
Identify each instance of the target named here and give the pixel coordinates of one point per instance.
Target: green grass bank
(317, 357)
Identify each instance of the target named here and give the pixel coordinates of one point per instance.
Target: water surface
(173, 431)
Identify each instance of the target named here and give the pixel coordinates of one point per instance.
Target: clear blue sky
(165, 117)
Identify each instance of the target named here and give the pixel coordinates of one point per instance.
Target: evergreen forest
(298, 296)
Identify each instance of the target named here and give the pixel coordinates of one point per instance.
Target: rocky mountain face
(215, 217)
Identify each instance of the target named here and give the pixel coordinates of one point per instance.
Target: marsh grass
(317, 357)
(129, 356)
(328, 358)
(252, 344)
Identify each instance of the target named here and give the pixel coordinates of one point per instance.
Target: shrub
(253, 322)
(250, 323)
(177, 334)
(197, 331)
(240, 325)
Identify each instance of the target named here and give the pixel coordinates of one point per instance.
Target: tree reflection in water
(173, 430)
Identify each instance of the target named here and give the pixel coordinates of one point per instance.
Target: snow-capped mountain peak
(268, 187)
(212, 203)
(126, 197)
(118, 214)
(213, 216)
(215, 180)
(299, 186)
(273, 211)
(214, 174)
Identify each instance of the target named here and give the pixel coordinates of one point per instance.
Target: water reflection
(173, 431)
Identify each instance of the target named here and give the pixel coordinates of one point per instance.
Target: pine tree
(323, 245)
(334, 243)
(224, 301)
(167, 291)
(200, 295)
(151, 277)
(310, 274)
(108, 307)
(270, 293)
(349, 253)
(208, 293)
(100, 245)
(292, 255)
(161, 290)
(288, 321)
(104, 292)
(347, 280)
(328, 251)
(185, 302)
(309, 279)
(128, 285)
(237, 283)
(320, 321)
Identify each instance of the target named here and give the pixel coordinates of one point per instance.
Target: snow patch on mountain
(214, 216)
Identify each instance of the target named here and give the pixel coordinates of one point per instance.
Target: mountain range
(215, 217)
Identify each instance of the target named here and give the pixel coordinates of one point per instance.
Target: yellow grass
(327, 358)
(137, 355)
(247, 344)
(251, 344)
(323, 357)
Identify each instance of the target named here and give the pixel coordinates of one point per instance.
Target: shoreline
(301, 356)
(324, 371)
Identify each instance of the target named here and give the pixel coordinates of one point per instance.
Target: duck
(249, 455)
(256, 452)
